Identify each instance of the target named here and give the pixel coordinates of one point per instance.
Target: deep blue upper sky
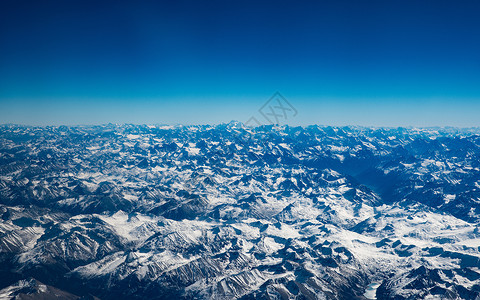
(338, 62)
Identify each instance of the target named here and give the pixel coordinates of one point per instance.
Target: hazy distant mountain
(231, 212)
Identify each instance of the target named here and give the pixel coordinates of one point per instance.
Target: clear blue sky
(388, 63)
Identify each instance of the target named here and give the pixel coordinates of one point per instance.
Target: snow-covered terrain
(230, 212)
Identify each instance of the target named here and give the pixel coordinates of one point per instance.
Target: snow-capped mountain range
(233, 212)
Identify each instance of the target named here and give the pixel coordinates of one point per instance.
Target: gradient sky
(382, 63)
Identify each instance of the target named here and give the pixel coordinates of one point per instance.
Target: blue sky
(382, 63)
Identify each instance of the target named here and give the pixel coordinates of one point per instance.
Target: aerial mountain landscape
(235, 212)
(354, 174)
